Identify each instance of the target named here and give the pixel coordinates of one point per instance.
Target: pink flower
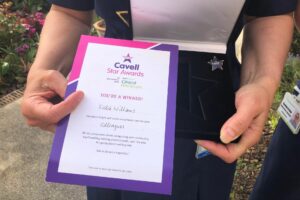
(31, 32)
(39, 15)
(41, 22)
(27, 26)
(25, 46)
(21, 50)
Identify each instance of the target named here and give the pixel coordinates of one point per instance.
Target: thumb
(60, 110)
(55, 81)
(239, 122)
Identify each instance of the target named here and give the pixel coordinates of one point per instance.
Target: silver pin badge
(216, 63)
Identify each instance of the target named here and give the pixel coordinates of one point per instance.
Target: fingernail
(227, 136)
(80, 97)
(201, 142)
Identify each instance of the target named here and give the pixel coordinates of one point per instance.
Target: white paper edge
(197, 46)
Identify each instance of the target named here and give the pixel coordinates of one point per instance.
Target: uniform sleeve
(263, 8)
(83, 5)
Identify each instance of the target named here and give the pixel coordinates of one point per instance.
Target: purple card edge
(165, 187)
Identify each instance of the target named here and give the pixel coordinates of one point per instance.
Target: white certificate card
(121, 136)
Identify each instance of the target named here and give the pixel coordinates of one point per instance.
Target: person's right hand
(42, 86)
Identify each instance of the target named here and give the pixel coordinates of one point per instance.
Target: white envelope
(194, 25)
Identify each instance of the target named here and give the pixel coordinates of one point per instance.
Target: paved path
(24, 153)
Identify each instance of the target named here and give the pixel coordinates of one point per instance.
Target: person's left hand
(252, 103)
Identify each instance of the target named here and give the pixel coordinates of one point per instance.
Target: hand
(252, 103)
(36, 107)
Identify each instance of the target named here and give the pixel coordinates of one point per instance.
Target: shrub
(30, 6)
(19, 34)
(295, 47)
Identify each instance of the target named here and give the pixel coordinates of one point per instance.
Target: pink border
(83, 43)
(165, 187)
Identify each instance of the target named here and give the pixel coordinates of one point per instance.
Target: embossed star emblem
(127, 58)
(122, 15)
(216, 64)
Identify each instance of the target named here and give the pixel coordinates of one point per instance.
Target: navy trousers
(279, 178)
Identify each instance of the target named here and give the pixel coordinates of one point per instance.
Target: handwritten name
(116, 108)
(112, 126)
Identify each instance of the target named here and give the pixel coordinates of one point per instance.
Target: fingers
(253, 134)
(252, 104)
(43, 114)
(36, 105)
(217, 149)
(54, 81)
(231, 152)
(60, 110)
(44, 111)
(237, 124)
(248, 108)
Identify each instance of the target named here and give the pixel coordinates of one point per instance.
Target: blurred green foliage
(290, 75)
(31, 6)
(295, 47)
(20, 25)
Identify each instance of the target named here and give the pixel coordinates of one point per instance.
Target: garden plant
(20, 25)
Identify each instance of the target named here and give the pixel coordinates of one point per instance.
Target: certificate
(121, 136)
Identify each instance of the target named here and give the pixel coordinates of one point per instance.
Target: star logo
(216, 64)
(127, 58)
